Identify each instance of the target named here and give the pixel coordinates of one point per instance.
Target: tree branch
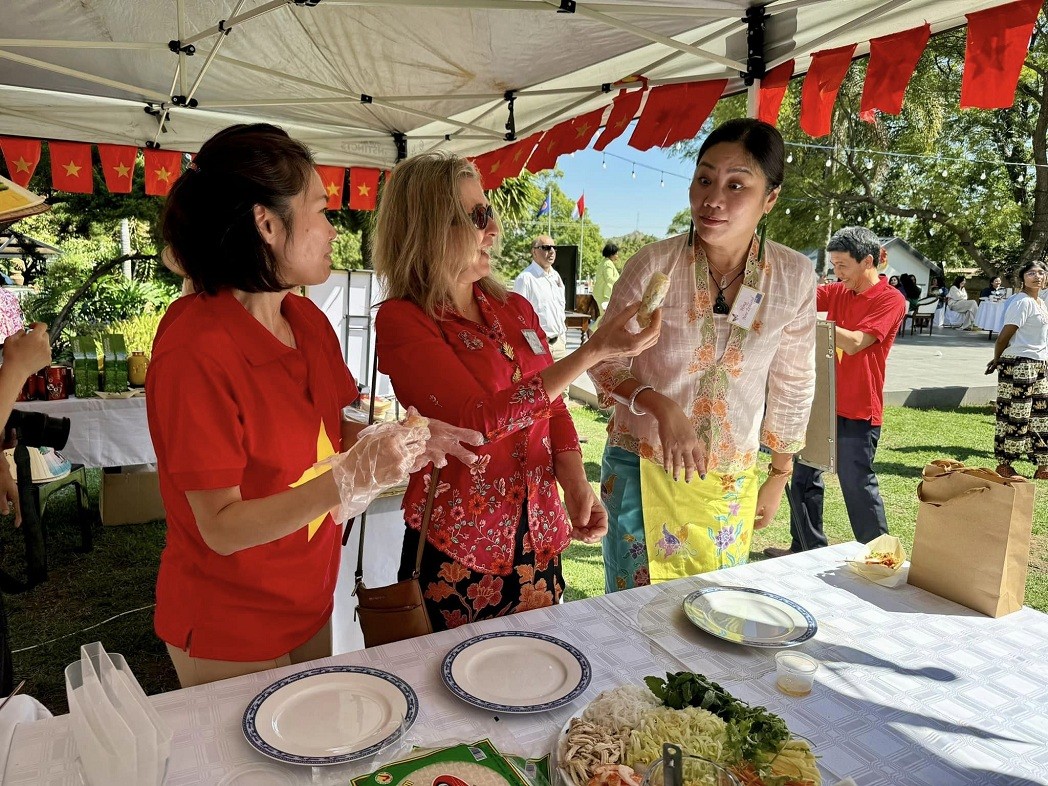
(101, 269)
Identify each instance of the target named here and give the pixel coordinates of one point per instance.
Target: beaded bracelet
(633, 399)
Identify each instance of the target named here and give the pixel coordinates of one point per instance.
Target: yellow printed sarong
(696, 527)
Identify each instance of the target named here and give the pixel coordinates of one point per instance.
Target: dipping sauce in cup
(795, 672)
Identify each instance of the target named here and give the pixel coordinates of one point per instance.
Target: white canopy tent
(349, 77)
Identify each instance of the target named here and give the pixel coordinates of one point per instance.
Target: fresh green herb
(753, 732)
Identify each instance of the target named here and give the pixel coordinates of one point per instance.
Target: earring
(762, 231)
(691, 233)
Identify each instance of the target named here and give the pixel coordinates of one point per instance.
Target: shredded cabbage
(620, 708)
(797, 761)
(695, 730)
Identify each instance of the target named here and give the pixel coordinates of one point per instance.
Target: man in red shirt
(867, 312)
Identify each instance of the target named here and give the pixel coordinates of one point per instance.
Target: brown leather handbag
(396, 612)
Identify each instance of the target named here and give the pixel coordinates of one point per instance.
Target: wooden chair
(921, 317)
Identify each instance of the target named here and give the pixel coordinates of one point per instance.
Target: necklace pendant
(720, 305)
(507, 351)
(724, 282)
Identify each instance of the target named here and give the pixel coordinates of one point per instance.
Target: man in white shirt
(543, 287)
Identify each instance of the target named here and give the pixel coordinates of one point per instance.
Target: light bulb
(829, 162)
(633, 174)
(816, 216)
(945, 173)
(603, 162)
(787, 211)
(869, 163)
(982, 175)
(662, 181)
(789, 158)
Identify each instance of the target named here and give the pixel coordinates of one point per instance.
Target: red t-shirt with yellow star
(230, 405)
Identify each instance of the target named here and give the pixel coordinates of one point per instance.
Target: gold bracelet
(775, 472)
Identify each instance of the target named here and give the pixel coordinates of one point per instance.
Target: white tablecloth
(990, 315)
(913, 690)
(102, 432)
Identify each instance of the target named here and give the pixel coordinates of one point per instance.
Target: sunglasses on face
(547, 249)
(480, 215)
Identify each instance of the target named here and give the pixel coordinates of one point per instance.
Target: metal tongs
(672, 774)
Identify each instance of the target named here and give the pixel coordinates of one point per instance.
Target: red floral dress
(497, 528)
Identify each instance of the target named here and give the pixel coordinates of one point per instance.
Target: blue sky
(620, 203)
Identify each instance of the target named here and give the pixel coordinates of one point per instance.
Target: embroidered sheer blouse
(740, 388)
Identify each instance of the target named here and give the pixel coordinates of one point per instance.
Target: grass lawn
(111, 588)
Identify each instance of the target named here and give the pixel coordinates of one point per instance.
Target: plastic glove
(382, 456)
(446, 440)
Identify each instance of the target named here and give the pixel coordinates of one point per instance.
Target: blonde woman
(458, 347)
(735, 368)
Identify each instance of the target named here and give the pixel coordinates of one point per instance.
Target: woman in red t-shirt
(245, 394)
(460, 348)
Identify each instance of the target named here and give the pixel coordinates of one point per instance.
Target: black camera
(37, 430)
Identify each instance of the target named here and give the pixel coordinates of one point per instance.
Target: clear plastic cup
(795, 672)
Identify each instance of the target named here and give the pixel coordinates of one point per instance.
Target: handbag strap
(434, 480)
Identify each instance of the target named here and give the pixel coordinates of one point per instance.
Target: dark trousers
(856, 448)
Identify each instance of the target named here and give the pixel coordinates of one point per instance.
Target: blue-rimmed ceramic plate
(516, 671)
(330, 715)
(750, 616)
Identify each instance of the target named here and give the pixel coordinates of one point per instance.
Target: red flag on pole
(998, 40)
(825, 74)
(334, 179)
(893, 59)
(162, 170)
(505, 162)
(675, 112)
(118, 166)
(581, 204)
(772, 90)
(71, 166)
(566, 137)
(22, 156)
(623, 110)
(363, 188)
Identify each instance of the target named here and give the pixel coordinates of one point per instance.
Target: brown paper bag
(972, 543)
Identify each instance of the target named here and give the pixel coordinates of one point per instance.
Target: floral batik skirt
(456, 595)
(659, 529)
(1022, 411)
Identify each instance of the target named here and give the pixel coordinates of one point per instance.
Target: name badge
(534, 342)
(744, 310)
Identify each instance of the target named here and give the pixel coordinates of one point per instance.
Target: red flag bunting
(22, 156)
(334, 179)
(163, 168)
(893, 59)
(825, 74)
(504, 163)
(363, 188)
(623, 110)
(118, 166)
(998, 40)
(566, 137)
(71, 166)
(581, 204)
(772, 91)
(675, 112)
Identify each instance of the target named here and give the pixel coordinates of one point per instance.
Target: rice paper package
(476, 764)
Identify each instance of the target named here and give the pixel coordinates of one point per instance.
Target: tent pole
(522, 132)
(99, 80)
(236, 20)
(51, 44)
(211, 55)
(180, 19)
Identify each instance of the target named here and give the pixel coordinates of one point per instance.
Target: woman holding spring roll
(246, 392)
(460, 348)
(734, 369)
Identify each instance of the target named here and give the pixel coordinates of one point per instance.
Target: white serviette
(20, 709)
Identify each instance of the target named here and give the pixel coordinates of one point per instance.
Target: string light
(816, 217)
(604, 162)
(789, 158)
(662, 180)
(982, 175)
(633, 174)
(943, 159)
(869, 163)
(787, 211)
(829, 162)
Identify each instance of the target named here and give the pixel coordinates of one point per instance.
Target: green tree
(630, 244)
(680, 223)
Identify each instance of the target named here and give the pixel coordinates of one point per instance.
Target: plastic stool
(78, 478)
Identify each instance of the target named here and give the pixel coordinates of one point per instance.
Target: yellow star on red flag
(72, 169)
(163, 175)
(332, 189)
(21, 165)
(363, 190)
(122, 170)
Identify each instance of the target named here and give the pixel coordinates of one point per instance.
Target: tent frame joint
(400, 139)
(178, 47)
(366, 99)
(566, 7)
(756, 65)
(511, 121)
(223, 29)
